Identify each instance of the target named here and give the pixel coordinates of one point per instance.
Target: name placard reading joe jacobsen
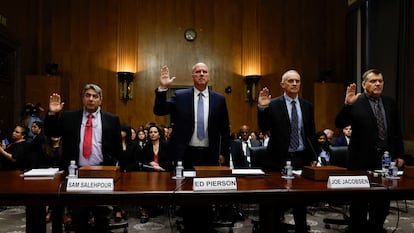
(90, 184)
(214, 183)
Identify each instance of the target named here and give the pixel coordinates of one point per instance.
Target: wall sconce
(125, 80)
(251, 87)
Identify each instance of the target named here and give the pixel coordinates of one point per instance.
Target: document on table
(247, 171)
(41, 172)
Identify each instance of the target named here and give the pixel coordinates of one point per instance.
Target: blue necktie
(200, 117)
(294, 125)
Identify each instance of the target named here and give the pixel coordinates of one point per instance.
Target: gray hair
(288, 73)
(93, 87)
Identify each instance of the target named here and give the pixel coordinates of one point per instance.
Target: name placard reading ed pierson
(90, 184)
(214, 183)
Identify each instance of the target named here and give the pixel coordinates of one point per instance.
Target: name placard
(214, 183)
(348, 182)
(90, 184)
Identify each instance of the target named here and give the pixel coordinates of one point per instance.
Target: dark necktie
(200, 117)
(87, 137)
(380, 120)
(294, 126)
(247, 152)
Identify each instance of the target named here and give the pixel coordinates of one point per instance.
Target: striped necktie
(294, 126)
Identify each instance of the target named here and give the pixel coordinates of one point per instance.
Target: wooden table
(159, 188)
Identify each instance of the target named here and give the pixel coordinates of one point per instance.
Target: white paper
(247, 171)
(41, 172)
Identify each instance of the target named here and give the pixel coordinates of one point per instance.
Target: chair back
(258, 156)
(339, 156)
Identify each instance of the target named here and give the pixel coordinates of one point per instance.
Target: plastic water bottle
(179, 170)
(73, 169)
(287, 171)
(393, 170)
(386, 161)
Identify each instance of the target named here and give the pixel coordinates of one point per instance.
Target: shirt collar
(288, 99)
(205, 92)
(86, 113)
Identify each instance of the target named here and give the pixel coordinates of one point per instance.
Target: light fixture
(251, 87)
(125, 80)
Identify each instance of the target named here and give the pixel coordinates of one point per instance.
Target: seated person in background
(263, 137)
(240, 148)
(329, 135)
(128, 161)
(154, 154)
(36, 145)
(323, 151)
(345, 138)
(14, 155)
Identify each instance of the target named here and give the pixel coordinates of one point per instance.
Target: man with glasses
(91, 137)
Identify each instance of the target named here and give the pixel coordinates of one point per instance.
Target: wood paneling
(40, 87)
(93, 39)
(328, 100)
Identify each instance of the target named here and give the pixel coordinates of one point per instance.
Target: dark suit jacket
(181, 109)
(68, 125)
(276, 119)
(363, 145)
(237, 154)
(341, 141)
(163, 157)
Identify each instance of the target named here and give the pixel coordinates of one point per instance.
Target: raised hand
(165, 79)
(351, 95)
(264, 97)
(55, 103)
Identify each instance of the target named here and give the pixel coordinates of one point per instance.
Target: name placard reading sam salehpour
(90, 184)
(214, 183)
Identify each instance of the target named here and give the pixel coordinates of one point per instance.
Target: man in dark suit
(375, 128)
(239, 148)
(201, 130)
(290, 120)
(105, 140)
(184, 144)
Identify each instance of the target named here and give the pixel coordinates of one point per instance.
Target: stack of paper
(41, 173)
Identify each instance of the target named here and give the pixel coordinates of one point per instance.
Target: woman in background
(14, 156)
(154, 154)
(323, 152)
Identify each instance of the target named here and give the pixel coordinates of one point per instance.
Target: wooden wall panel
(93, 39)
(40, 87)
(328, 100)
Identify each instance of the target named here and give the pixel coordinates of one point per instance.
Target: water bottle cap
(288, 163)
(392, 163)
(72, 162)
(179, 163)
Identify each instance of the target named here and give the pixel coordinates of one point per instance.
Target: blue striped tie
(200, 117)
(294, 126)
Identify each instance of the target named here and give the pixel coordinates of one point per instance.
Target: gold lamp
(125, 80)
(251, 87)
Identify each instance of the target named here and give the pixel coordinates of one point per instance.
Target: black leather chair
(260, 159)
(338, 158)
(258, 156)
